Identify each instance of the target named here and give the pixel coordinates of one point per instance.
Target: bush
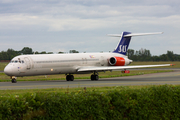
(157, 102)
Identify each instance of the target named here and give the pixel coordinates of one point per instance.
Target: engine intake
(117, 61)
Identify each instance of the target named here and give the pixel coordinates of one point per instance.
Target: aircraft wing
(109, 68)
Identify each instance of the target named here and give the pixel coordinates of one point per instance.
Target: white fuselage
(46, 64)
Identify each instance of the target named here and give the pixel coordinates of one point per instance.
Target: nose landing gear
(13, 79)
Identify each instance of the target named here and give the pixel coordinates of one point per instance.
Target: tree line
(10, 53)
(145, 55)
(141, 55)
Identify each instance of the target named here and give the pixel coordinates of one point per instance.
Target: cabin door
(28, 62)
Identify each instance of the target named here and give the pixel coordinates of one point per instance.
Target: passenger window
(22, 61)
(12, 61)
(16, 61)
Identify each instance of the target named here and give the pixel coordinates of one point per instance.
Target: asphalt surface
(147, 79)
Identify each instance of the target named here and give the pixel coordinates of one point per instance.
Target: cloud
(19, 21)
(41, 21)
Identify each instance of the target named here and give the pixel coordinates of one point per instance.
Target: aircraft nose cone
(7, 70)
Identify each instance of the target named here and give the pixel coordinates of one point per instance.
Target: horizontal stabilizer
(134, 34)
(115, 35)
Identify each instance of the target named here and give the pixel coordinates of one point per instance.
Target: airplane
(76, 63)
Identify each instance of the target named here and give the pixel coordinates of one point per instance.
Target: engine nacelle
(119, 61)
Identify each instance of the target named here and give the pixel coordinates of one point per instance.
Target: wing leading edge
(88, 69)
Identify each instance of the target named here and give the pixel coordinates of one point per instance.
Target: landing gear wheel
(70, 78)
(94, 77)
(14, 80)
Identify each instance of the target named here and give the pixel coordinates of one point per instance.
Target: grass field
(3, 65)
(74, 90)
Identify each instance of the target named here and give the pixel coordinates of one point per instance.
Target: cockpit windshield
(17, 61)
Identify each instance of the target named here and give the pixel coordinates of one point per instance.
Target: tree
(155, 58)
(43, 52)
(163, 57)
(50, 53)
(26, 50)
(73, 51)
(130, 53)
(60, 52)
(170, 55)
(11, 53)
(4, 55)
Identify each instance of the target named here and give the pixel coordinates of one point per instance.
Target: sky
(83, 25)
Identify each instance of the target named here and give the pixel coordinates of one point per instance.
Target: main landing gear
(69, 78)
(94, 76)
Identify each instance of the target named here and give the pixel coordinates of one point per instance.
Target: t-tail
(125, 39)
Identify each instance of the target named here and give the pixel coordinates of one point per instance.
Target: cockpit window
(17, 61)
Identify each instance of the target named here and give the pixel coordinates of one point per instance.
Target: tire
(92, 77)
(14, 80)
(71, 78)
(96, 77)
(67, 78)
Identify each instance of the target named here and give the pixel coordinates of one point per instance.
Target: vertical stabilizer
(125, 39)
(123, 44)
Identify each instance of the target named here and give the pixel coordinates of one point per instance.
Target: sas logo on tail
(122, 48)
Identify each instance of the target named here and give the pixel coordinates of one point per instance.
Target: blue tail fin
(123, 44)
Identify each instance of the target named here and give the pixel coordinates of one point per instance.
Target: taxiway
(147, 79)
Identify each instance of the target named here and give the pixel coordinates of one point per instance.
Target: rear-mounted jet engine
(119, 61)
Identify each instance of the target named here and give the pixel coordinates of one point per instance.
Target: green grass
(75, 90)
(3, 65)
